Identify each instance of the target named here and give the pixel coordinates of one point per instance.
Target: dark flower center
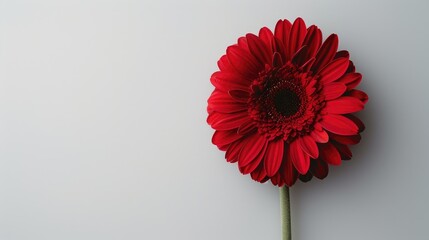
(284, 102)
(287, 102)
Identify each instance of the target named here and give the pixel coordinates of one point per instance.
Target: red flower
(282, 104)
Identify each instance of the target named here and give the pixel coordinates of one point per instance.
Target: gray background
(103, 133)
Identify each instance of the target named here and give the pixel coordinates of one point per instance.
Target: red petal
(273, 157)
(320, 136)
(310, 83)
(258, 49)
(309, 146)
(306, 66)
(259, 174)
(246, 127)
(333, 90)
(254, 163)
(351, 80)
(300, 57)
(313, 39)
(326, 52)
(339, 124)
(233, 151)
(334, 70)
(266, 36)
(277, 60)
(224, 103)
(279, 47)
(281, 32)
(242, 42)
(243, 61)
(342, 54)
(359, 95)
(222, 138)
(226, 81)
(319, 168)
(224, 64)
(250, 151)
(330, 154)
(344, 105)
(300, 159)
(344, 151)
(277, 180)
(306, 177)
(296, 36)
(350, 140)
(221, 121)
(287, 171)
(351, 68)
(357, 121)
(239, 95)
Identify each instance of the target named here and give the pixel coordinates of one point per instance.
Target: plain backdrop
(103, 132)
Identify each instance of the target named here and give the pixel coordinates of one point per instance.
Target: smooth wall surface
(103, 132)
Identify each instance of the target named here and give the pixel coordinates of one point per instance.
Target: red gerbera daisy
(282, 104)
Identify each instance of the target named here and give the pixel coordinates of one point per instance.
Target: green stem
(285, 213)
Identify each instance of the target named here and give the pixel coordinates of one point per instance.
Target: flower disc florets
(283, 102)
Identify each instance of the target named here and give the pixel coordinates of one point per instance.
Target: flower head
(282, 104)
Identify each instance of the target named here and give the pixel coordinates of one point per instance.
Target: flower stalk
(285, 213)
